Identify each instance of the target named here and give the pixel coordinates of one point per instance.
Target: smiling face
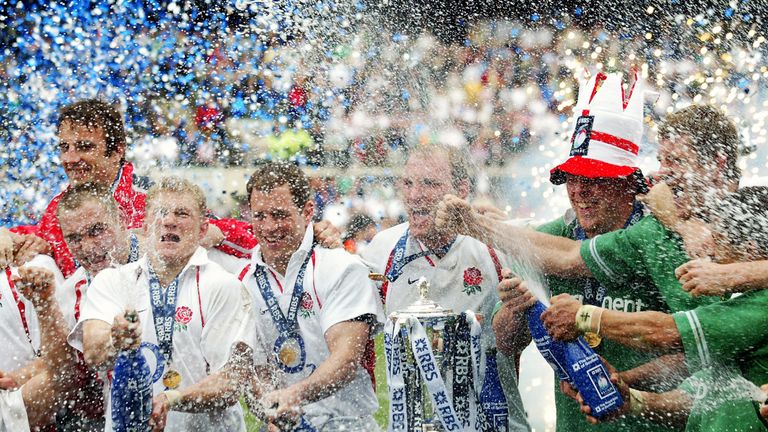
(690, 178)
(426, 180)
(602, 204)
(94, 235)
(83, 154)
(279, 224)
(174, 226)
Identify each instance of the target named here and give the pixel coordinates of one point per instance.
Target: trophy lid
(423, 307)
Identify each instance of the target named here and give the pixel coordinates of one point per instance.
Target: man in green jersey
(725, 343)
(602, 179)
(697, 150)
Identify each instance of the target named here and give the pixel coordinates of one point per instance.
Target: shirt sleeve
(352, 295)
(228, 320)
(104, 300)
(722, 332)
(614, 257)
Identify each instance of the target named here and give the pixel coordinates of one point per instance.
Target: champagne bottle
(131, 389)
(492, 397)
(576, 363)
(591, 379)
(552, 350)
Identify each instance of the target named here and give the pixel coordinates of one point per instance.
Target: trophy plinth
(423, 308)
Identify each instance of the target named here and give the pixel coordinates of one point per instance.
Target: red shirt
(130, 193)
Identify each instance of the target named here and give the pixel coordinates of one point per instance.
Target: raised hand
(327, 234)
(36, 284)
(455, 216)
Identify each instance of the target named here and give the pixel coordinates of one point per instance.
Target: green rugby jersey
(630, 297)
(729, 334)
(647, 254)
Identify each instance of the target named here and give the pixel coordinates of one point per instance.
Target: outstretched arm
(704, 277)
(554, 255)
(346, 342)
(566, 319)
(215, 392)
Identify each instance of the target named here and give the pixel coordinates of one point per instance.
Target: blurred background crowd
(217, 88)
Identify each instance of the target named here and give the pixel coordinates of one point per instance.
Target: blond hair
(177, 185)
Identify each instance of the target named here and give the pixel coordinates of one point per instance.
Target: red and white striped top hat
(608, 130)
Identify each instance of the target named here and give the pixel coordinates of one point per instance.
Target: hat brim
(593, 168)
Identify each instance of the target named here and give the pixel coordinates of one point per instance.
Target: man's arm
(102, 341)
(703, 277)
(664, 372)
(645, 331)
(346, 342)
(215, 392)
(510, 324)
(553, 255)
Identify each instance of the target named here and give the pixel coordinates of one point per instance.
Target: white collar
(301, 252)
(198, 259)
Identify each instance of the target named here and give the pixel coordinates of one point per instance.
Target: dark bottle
(553, 351)
(131, 393)
(492, 397)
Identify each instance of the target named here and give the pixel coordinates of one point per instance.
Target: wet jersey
(645, 254)
(631, 297)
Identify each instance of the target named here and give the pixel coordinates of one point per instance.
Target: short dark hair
(743, 218)
(75, 196)
(275, 174)
(712, 134)
(96, 113)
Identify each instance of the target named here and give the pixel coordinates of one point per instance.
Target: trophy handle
(160, 364)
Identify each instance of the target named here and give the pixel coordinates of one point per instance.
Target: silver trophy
(432, 322)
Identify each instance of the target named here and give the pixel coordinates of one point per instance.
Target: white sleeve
(229, 319)
(104, 300)
(352, 295)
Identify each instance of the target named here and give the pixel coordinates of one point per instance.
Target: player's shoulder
(215, 275)
(383, 242)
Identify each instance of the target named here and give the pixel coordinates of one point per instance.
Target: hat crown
(607, 93)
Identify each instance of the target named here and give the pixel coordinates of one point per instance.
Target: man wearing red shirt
(92, 144)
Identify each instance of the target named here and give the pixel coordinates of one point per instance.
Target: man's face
(689, 178)
(93, 234)
(600, 204)
(83, 154)
(174, 226)
(426, 179)
(278, 224)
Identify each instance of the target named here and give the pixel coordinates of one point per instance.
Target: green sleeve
(722, 332)
(616, 257)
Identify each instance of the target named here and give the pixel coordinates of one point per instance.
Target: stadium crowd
(662, 274)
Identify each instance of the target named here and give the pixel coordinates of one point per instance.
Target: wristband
(636, 402)
(588, 319)
(174, 396)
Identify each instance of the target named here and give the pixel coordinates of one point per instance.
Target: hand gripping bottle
(131, 393)
(578, 364)
(553, 351)
(492, 397)
(591, 379)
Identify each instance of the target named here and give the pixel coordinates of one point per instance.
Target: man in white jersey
(29, 396)
(316, 310)
(463, 272)
(174, 286)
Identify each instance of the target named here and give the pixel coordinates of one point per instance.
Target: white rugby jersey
(336, 289)
(213, 312)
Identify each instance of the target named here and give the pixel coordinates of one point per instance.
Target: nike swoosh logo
(411, 282)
